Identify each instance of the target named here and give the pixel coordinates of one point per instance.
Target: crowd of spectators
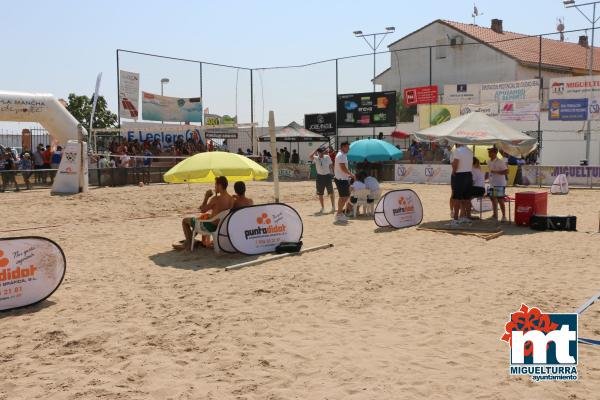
(42, 164)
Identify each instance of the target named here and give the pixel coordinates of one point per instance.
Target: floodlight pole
(592, 20)
(374, 47)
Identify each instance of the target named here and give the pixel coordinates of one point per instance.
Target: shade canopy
(480, 130)
(400, 135)
(294, 132)
(373, 150)
(205, 167)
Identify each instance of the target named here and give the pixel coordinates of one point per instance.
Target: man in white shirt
(342, 180)
(461, 182)
(324, 167)
(497, 178)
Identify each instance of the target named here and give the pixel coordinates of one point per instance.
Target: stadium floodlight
(568, 2)
(390, 29)
(356, 33)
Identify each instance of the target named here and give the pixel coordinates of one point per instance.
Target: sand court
(384, 314)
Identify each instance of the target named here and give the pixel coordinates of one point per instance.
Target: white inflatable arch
(46, 110)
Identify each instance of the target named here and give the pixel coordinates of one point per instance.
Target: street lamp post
(592, 20)
(162, 89)
(374, 46)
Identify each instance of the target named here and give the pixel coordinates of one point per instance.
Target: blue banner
(568, 110)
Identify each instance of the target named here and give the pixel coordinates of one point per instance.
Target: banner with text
(31, 269)
(520, 110)
(462, 94)
(435, 114)
(361, 110)
(171, 109)
(490, 109)
(545, 175)
(420, 95)
(323, 124)
(129, 94)
(398, 209)
(166, 134)
(568, 110)
(260, 229)
(510, 91)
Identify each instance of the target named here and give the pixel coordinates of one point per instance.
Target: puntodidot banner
(172, 109)
(259, 229)
(399, 209)
(129, 94)
(31, 269)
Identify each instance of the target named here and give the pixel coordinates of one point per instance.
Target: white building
(475, 54)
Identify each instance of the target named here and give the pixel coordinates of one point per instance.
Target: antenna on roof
(475, 14)
(560, 27)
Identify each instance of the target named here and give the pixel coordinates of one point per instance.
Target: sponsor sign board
(420, 95)
(31, 269)
(129, 94)
(510, 91)
(461, 94)
(568, 110)
(359, 110)
(399, 209)
(167, 134)
(172, 109)
(323, 124)
(435, 114)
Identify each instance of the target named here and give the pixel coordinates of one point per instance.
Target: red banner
(420, 95)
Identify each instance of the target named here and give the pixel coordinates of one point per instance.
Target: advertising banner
(520, 110)
(68, 177)
(167, 134)
(546, 175)
(129, 94)
(216, 120)
(568, 110)
(31, 269)
(462, 94)
(260, 229)
(220, 134)
(423, 173)
(360, 110)
(171, 109)
(297, 172)
(323, 124)
(399, 209)
(490, 109)
(575, 87)
(420, 95)
(435, 114)
(510, 91)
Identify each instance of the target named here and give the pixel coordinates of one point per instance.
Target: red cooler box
(528, 204)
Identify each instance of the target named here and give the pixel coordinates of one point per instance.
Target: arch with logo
(399, 209)
(259, 229)
(31, 269)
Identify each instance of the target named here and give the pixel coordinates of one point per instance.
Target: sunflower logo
(263, 219)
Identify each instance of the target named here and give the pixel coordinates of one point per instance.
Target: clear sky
(60, 46)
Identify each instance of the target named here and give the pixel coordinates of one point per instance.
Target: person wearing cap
(497, 179)
(324, 167)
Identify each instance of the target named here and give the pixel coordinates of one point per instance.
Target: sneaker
(454, 223)
(503, 220)
(320, 211)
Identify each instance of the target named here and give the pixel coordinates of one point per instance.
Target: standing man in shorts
(497, 179)
(342, 181)
(461, 182)
(324, 167)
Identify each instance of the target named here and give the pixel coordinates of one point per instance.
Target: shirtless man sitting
(213, 204)
(239, 198)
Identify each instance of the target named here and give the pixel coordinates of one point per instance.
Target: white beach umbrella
(480, 130)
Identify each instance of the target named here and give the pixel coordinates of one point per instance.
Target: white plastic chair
(373, 198)
(199, 229)
(361, 200)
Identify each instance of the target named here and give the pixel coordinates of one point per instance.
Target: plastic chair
(361, 200)
(372, 200)
(199, 229)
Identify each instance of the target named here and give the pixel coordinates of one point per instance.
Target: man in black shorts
(342, 181)
(461, 182)
(324, 167)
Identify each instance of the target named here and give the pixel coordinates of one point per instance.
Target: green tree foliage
(81, 108)
(404, 113)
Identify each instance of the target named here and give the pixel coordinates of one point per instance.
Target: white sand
(383, 315)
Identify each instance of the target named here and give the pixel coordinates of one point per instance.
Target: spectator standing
(38, 162)
(342, 180)
(295, 159)
(497, 178)
(8, 175)
(26, 166)
(461, 182)
(324, 167)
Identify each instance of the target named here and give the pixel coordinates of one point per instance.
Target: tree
(404, 113)
(80, 107)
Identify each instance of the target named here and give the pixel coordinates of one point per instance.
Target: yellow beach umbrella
(205, 167)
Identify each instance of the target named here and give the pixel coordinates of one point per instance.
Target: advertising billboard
(435, 114)
(360, 110)
(171, 109)
(420, 95)
(129, 94)
(462, 93)
(568, 110)
(510, 91)
(323, 124)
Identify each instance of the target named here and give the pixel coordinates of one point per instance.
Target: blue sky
(60, 46)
